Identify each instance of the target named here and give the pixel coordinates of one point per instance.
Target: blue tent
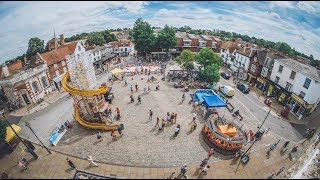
(213, 101)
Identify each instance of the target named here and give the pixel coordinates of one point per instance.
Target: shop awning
(10, 133)
(116, 71)
(297, 99)
(261, 80)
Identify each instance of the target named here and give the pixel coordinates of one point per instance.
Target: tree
(185, 56)
(108, 36)
(166, 38)
(207, 57)
(210, 73)
(96, 38)
(143, 37)
(283, 47)
(3, 130)
(35, 45)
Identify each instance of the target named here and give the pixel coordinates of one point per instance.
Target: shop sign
(297, 98)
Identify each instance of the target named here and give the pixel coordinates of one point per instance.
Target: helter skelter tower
(89, 102)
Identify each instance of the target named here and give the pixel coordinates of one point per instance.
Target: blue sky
(294, 22)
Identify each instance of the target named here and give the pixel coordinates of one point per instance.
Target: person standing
(92, 163)
(177, 130)
(193, 125)
(131, 88)
(24, 160)
(162, 125)
(157, 123)
(211, 152)
(145, 89)
(113, 134)
(149, 89)
(136, 86)
(183, 97)
(205, 170)
(139, 99)
(118, 113)
(168, 117)
(204, 162)
(172, 118)
(99, 136)
(71, 163)
(150, 115)
(22, 165)
(120, 130)
(175, 118)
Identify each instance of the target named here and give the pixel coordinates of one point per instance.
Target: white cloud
(285, 4)
(311, 7)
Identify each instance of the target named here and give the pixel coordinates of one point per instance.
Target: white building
(299, 80)
(28, 83)
(122, 48)
(242, 61)
(228, 52)
(101, 56)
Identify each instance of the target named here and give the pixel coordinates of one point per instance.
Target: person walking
(177, 130)
(211, 152)
(162, 125)
(92, 163)
(150, 115)
(168, 117)
(157, 123)
(113, 135)
(172, 118)
(22, 165)
(131, 88)
(204, 162)
(205, 170)
(71, 163)
(183, 97)
(145, 89)
(183, 171)
(25, 160)
(139, 99)
(131, 98)
(125, 82)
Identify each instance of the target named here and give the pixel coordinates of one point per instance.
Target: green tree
(96, 38)
(185, 56)
(207, 57)
(35, 45)
(108, 36)
(210, 73)
(3, 130)
(166, 38)
(143, 37)
(283, 47)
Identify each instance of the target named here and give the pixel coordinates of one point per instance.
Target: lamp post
(29, 149)
(28, 125)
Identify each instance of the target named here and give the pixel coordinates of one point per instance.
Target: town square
(188, 105)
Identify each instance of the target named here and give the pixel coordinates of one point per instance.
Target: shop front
(278, 93)
(252, 79)
(298, 106)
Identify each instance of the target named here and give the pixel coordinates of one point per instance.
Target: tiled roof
(34, 61)
(120, 43)
(229, 45)
(205, 37)
(184, 36)
(307, 70)
(178, 35)
(261, 56)
(15, 66)
(192, 36)
(55, 56)
(216, 38)
(200, 38)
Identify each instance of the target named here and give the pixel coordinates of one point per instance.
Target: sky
(294, 22)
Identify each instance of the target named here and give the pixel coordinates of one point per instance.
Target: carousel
(226, 136)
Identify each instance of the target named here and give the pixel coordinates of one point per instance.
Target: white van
(227, 91)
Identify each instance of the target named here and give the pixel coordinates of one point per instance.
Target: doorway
(26, 99)
(296, 108)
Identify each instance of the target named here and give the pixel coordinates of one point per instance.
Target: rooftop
(55, 56)
(307, 70)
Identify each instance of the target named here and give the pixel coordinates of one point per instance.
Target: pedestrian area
(55, 166)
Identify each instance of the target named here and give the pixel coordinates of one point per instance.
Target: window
(302, 94)
(63, 63)
(307, 83)
(293, 74)
(253, 68)
(55, 66)
(44, 81)
(125, 49)
(277, 79)
(35, 86)
(79, 48)
(280, 69)
(288, 86)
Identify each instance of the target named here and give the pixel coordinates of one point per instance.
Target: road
(259, 111)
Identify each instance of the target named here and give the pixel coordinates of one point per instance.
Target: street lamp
(29, 149)
(28, 125)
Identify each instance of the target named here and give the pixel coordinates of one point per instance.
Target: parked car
(227, 91)
(225, 75)
(243, 88)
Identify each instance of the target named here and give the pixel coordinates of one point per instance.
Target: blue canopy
(213, 101)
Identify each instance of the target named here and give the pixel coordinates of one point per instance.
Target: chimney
(61, 39)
